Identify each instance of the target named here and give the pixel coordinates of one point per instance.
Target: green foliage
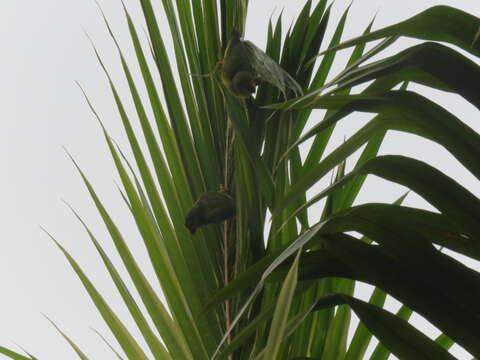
(13, 355)
(404, 340)
(237, 291)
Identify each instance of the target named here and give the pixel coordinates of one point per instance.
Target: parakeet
(243, 84)
(237, 74)
(244, 65)
(212, 207)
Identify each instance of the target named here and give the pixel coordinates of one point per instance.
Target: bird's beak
(191, 231)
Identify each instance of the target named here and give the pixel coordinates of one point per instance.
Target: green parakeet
(212, 207)
(237, 74)
(244, 65)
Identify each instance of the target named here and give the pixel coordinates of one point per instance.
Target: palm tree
(277, 279)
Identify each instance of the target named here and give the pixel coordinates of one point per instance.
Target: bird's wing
(268, 70)
(220, 206)
(235, 58)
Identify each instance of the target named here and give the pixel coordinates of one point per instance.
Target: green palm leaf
(278, 279)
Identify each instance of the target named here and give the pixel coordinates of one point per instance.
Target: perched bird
(244, 65)
(237, 74)
(212, 207)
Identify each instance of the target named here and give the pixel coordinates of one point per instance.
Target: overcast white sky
(44, 50)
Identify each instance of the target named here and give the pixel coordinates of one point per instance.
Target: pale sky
(44, 50)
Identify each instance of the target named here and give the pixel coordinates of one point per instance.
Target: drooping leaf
(404, 265)
(424, 64)
(438, 23)
(381, 352)
(425, 282)
(401, 338)
(398, 110)
(452, 199)
(361, 338)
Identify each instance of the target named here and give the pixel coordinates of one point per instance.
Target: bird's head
(244, 84)
(236, 35)
(193, 220)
